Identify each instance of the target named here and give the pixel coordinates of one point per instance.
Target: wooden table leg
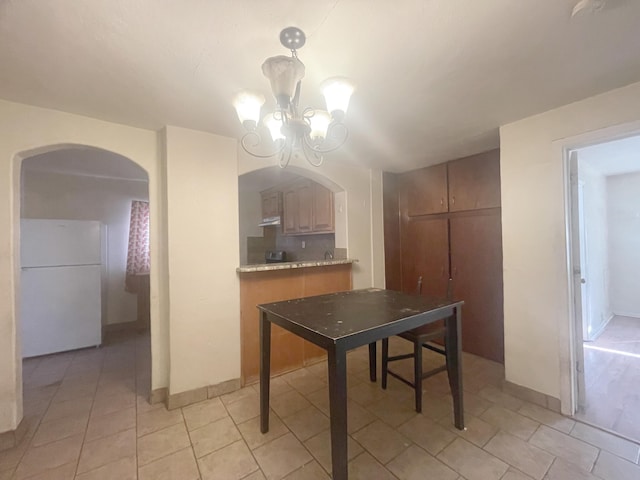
(265, 371)
(372, 361)
(453, 346)
(337, 360)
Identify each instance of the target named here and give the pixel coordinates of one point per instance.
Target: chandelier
(311, 132)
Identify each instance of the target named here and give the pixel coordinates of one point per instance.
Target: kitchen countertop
(267, 267)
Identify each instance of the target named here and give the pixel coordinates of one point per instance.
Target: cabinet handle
(441, 201)
(442, 272)
(453, 200)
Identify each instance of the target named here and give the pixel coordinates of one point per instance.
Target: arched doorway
(75, 187)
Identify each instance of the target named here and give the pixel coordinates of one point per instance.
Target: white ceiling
(435, 77)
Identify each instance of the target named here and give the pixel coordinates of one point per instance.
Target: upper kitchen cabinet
(474, 182)
(271, 203)
(323, 211)
(298, 208)
(424, 191)
(308, 208)
(304, 190)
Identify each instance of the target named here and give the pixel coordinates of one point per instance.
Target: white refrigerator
(61, 285)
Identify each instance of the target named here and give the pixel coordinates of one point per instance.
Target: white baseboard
(627, 314)
(597, 333)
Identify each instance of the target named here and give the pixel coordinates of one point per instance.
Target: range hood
(268, 221)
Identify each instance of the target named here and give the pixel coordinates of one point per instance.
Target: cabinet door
(290, 211)
(425, 253)
(392, 263)
(474, 182)
(323, 214)
(476, 269)
(305, 207)
(271, 204)
(424, 191)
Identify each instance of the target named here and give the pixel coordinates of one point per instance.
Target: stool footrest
(403, 380)
(433, 348)
(400, 357)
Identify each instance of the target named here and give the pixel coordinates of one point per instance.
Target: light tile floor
(612, 378)
(90, 421)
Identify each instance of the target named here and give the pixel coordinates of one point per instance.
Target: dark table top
(339, 315)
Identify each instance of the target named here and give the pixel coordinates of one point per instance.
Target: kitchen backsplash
(256, 246)
(315, 246)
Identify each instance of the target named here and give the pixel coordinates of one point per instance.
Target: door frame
(571, 354)
(577, 259)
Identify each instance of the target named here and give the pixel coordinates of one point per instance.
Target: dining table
(343, 321)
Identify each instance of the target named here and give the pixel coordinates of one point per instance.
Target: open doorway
(605, 197)
(76, 205)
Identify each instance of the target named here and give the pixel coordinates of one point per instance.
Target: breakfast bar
(266, 283)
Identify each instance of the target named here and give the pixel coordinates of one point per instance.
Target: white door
(584, 267)
(579, 282)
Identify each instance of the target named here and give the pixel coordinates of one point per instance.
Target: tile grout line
(86, 429)
(595, 461)
(236, 424)
(193, 452)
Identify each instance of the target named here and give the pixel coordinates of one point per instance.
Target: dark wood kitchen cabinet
(391, 221)
(474, 182)
(462, 241)
(425, 255)
(424, 191)
(476, 270)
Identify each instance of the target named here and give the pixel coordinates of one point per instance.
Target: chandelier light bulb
(274, 125)
(319, 123)
(337, 92)
(248, 105)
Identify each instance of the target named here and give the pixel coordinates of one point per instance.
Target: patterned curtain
(138, 261)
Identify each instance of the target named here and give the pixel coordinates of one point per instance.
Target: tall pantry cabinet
(444, 222)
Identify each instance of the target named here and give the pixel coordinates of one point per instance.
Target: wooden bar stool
(422, 337)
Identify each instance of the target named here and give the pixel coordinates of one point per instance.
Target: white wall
(81, 197)
(597, 268)
(537, 307)
(202, 232)
(623, 194)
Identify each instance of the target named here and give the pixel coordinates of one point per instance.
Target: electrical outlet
(303, 244)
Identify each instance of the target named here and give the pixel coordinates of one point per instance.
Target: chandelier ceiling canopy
(311, 132)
